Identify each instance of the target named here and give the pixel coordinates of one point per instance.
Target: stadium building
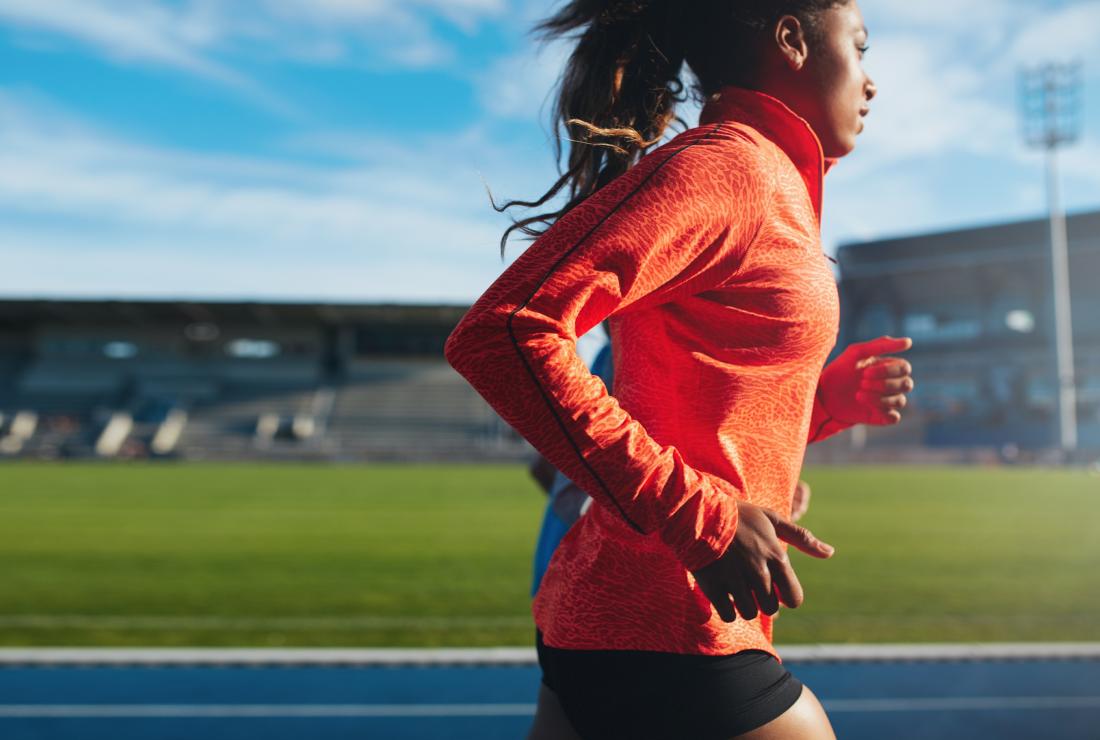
(208, 380)
(978, 304)
(213, 380)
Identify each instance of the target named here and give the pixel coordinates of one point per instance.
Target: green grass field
(387, 555)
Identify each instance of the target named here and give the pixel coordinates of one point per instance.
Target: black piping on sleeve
(530, 370)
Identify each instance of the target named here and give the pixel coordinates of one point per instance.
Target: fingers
(885, 367)
(760, 581)
(802, 538)
(884, 410)
(720, 598)
(893, 402)
(800, 502)
(754, 574)
(882, 346)
(738, 587)
(887, 386)
(787, 587)
(742, 598)
(748, 602)
(884, 403)
(767, 600)
(883, 385)
(768, 603)
(799, 511)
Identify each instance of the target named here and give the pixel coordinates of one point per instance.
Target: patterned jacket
(706, 258)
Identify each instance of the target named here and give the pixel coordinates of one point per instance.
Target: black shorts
(644, 695)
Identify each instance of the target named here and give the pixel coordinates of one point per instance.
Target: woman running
(704, 254)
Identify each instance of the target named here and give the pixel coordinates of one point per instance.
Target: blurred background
(234, 237)
(247, 228)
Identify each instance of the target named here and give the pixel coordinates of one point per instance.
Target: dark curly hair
(618, 93)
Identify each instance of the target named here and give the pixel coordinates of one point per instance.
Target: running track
(897, 692)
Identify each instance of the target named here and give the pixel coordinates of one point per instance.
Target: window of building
(954, 323)
(253, 349)
(120, 350)
(1021, 320)
(875, 320)
(201, 331)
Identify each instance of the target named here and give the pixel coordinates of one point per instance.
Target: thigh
(550, 720)
(805, 720)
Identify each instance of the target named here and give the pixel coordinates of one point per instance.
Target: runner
(704, 255)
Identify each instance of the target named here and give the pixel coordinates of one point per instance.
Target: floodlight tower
(1051, 98)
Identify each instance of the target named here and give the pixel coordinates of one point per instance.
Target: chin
(839, 148)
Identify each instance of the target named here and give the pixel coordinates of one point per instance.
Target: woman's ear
(790, 40)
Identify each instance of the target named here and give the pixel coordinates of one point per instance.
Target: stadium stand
(391, 408)
(222, 380)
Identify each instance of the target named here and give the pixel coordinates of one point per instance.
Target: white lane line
(800, 654)
(139, 711)
(962, 703)
(288, 623)
(115, 711)
(425, 621)
(871, 653)
(268, 657)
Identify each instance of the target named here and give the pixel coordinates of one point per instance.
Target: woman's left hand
(801, 502)
(863, 385)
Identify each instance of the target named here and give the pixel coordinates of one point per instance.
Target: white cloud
(1061, 35)
(411, 221)
(861, 210)
(338, 13)
(955, 90)
(938, 13)
(394, 207)
(519, 85)
(947, 96)
(192, 36)
(100, 267)
(146, 32)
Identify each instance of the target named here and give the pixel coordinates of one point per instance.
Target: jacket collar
(779, 124)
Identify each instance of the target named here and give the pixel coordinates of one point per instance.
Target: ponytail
(622, 83)
(617, 96)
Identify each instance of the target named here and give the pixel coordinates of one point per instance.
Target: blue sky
(337, 149)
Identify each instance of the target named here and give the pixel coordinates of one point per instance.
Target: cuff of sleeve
(822, 424)
(828, 428)
(703, 528)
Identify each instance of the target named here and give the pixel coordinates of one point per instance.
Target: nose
(869, 89)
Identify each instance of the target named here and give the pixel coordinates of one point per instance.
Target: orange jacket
(706, 257)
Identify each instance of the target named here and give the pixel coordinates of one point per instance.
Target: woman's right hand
(754, 574)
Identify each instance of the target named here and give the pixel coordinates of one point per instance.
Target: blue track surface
(994, 699)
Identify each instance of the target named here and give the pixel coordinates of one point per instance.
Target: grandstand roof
(1020, 240)
(22, 312)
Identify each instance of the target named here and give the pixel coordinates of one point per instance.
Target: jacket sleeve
(674, 225)
(822, 423)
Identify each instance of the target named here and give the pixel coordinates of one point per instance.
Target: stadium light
(1050, 96)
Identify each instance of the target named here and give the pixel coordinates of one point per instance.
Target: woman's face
(831, 90)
